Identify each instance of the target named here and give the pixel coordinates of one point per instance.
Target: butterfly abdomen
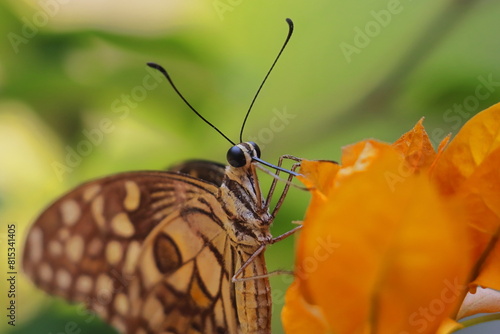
(255, 294)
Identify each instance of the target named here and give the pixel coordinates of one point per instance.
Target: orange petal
(449, 326)
(441, 147)
(480, 194)
(489, 275)
(357, 158)
(416, 147)
(300, 317)
(359, 155)
(318, 174)
(468, 169)
(475, 141)
(482, 187)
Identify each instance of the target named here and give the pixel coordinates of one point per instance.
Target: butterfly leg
(237, 276)
(281, 199)
(285, 235)
(275, 182)
(288, 182)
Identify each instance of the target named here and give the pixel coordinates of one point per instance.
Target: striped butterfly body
(155, 252)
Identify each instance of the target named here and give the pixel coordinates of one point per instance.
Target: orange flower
(469, 169)
(394, 235)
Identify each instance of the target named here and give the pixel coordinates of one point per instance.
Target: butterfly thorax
(241, 199)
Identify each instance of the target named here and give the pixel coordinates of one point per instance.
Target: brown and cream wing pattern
(136, 242)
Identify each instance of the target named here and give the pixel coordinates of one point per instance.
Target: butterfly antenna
(290, 32)
(165, 73)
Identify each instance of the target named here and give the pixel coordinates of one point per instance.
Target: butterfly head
(243, 154)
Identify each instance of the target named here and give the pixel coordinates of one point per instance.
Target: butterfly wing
(209, 171)
(104, 242)
(190, 292)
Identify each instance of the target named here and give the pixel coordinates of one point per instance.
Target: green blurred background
(353, 70)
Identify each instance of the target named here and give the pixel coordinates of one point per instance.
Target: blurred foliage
(60, 77)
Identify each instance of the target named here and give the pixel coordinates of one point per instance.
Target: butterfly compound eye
(236, 157)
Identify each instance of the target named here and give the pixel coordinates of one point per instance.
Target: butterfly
(177, 251)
